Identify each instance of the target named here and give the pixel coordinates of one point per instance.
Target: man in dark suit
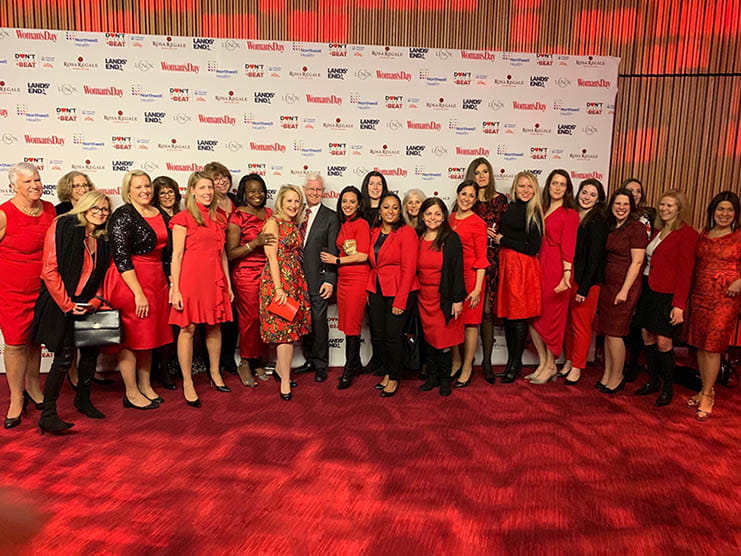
(320, 227)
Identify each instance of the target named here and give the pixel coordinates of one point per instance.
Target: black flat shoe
(321, 375)
(599, 386)
(646, 389)
(456, 374)
(664, 399)
(379, 386)
(11, 422)
(129, 405)
(612, 391)
(158, 399)
(305, 368)
(27, 398)
(385, 394)
(569, 382)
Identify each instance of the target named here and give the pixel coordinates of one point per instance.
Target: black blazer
(452, 286)
(589, 256)
(322, 237)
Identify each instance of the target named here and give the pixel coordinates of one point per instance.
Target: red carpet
(504, 469)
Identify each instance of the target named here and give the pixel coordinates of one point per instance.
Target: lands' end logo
(202, 44)
(37, 88)
(115, 64)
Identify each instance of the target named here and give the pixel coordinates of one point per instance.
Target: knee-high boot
(352, 361)
(518, 338)
(666, 368)
(433, 370)
(444, 367)
(86, 370)
(651, 353)
(487, 346)
(49, 420)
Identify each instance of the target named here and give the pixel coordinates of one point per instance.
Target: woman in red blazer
(666, 285)
(392, 286)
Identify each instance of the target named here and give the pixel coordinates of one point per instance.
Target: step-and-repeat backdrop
(105, 103)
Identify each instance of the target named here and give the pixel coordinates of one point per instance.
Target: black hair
(598, 210)
(568, 196)
(400, 222)
(361, 203)
(168, 183)
(732, 198)
(366, 179)
(461, 187)
(611, 217)
(242, 189)
(443, 231)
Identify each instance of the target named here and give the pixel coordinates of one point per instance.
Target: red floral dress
(275, 329)
(491, 213)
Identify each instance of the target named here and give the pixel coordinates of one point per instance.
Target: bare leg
(14, 358)
(709, 375)
(185, 359)
(213, 346)
(143, 372)
(283, 366)
(541, 350)
(608, 363)
(127, 364)
(33, 372)
(457, 359)
(470, 343)
(566, 369)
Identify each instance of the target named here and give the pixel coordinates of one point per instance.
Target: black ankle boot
(353, 365)
(665, 361)
(508, 341)
(651, 354)
(518, 340)
(50, 422)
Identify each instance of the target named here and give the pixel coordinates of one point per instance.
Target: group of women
(549, 264)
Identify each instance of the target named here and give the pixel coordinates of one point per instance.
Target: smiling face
(140, 191)
(588, 197)
(412, 205)
(29, 187)
(524, 189)
(349, 204)
(203, 192)
(668, 209)
(167, 197)
(557, 187)
(636, 190)
(390, 211)
(313, 191)
(221, 184)
(375, 188)
(481, 175)
(291, 204)
(433, 218)
(621, 208)
(80, 186)
(724, 214)
(466, 198)
(98, 214)
(254, 194)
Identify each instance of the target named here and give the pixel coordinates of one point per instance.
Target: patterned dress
(275, 329)
(491, 213)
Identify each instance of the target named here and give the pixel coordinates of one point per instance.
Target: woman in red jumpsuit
(472, 232)
(353, 242)
(24, 220)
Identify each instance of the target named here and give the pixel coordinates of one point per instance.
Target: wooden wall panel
(679, 104)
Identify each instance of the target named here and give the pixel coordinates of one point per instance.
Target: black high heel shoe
(286, 397)
(127, 403)
(195, 403)
(224, 388)
(460, 383)
(11, 422)
(456, 374)
(27, 398)
(615, 390)
(385, 394)
(277, 379)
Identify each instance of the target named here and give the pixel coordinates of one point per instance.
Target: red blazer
(672, 264)
(396, 266)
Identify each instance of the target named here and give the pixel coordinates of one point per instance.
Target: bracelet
(567, 270)
(279, 289)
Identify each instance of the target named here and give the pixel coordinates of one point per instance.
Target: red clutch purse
(286, 311)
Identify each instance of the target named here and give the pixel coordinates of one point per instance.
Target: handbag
(101, 328)
(411, 340)
(286, 311)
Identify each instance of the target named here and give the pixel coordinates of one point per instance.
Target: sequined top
(130, 234)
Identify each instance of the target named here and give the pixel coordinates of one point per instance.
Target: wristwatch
(337, 261)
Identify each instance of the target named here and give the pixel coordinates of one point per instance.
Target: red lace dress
(712, 314)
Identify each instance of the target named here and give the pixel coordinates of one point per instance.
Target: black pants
(387, 329)
(316, 343)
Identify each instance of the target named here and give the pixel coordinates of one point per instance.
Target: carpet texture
(503, 469)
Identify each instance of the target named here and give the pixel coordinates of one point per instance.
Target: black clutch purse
(102, 328)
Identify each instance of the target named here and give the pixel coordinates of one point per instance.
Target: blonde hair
(534, 208)
(64, 185)
(278, 207)
(86, 202)
(190, 200)
(126, 183)
(683, 206)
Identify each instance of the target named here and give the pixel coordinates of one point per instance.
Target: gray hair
(21, 168)
(314, 176)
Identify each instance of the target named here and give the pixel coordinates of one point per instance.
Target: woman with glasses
(166, 195)
(70, 188)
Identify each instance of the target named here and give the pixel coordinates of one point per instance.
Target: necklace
(30, 212)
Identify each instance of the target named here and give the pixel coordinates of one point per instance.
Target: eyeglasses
(81, 186)
(167, 193)
(100, 210)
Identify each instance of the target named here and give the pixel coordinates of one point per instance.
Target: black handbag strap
(104, 302)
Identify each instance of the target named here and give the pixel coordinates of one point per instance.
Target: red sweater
(672, 264)
(396, 266)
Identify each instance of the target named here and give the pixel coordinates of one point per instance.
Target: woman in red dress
(490, 207)
(589, 273)
(24, 220)
(392, 285)
(556, 258)
(670, 261)
(353, 242)
(442, 291)
(472, 232)
(626, 249)
(715, 300)
(137, 285)
(283, 279)
(245, 242)
(201, 289)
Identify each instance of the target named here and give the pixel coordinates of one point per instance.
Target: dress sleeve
(362, 237)
(50, 272)
(570, 226)
(637, 236)
(479, 244)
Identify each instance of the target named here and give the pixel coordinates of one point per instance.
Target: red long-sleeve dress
(472, 231)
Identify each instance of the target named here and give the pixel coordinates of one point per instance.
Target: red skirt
(351, 298)
(519, 295)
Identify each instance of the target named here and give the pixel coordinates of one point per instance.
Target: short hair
(361, 202)
(25, 168)
(400, 222)
(568, 196)
(166, 182)
(278, 207)
(86, 202)
(313, 176)
(126, 183)
(419, 193)
(214, 169)
(65, 187)
(684, 208)
(610, 216)
(730, 197)
(242, 189)
(444, 230)
(491, 189)
(599, 207)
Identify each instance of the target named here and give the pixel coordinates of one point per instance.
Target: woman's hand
(79, 310)
(734, 289)
(580, 298)
(265, 238)
(621, 297)
(280, 296)
(676, 316)
(176, 298)
(231, 295)
(491, 233)
(328, 258)
(497, 238)
(563, 285)
(142, 305)
(396, 311)
(457, 310)
(473, 298)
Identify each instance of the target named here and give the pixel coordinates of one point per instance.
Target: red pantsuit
(579, 325)
(353, 237)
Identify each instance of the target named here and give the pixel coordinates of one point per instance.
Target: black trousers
(387, 329)
(316, 343)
